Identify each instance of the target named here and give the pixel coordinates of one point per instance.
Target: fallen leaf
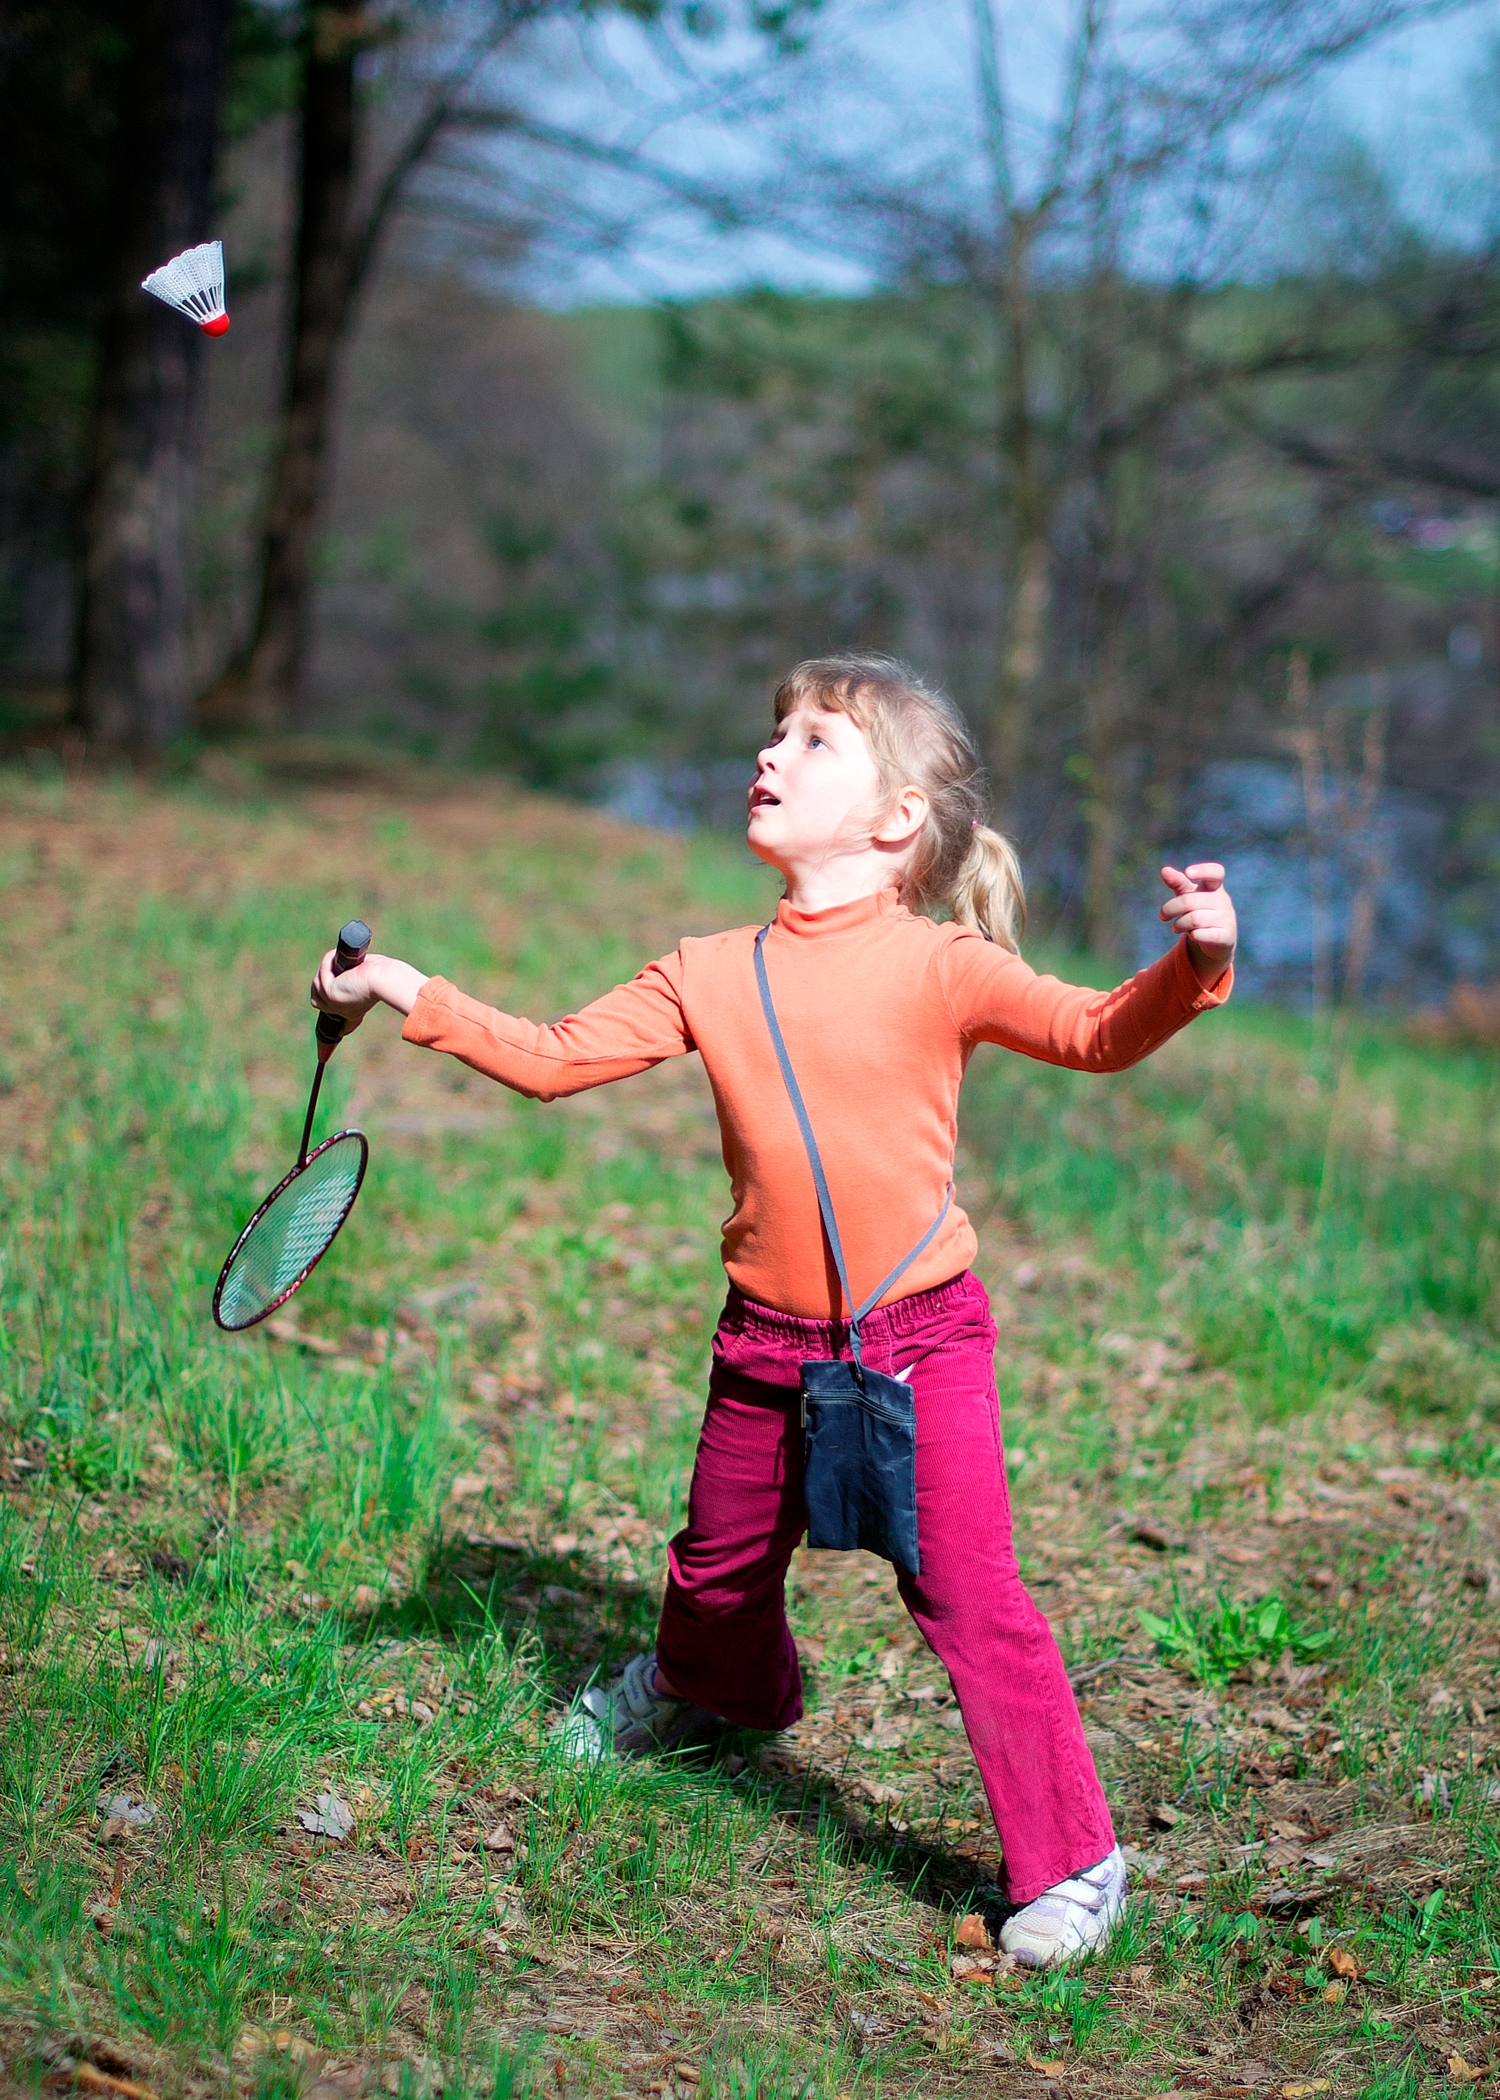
(328, 1817)
(1342, 1963)
(1277, 1718)
(1048, 2067)
(973, 1931)
(255, 2041)
(1306, 2091)
(366, 1596)
(96, 2081)
(1165, 1816)
(1433, 1786)
(1465, 2073)
(689, 2072)
(128, 1810)
(124, 1816)
(1335, 1993)
(295, 2046)
(414, 2006)
(500, 1839)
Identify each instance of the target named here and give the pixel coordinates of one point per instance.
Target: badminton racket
(300, 1219)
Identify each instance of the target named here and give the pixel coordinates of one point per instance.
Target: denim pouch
(860, 1483)
(859, 1426)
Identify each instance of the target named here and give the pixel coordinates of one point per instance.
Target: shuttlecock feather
(193, 282)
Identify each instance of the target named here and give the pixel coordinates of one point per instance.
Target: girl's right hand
(378, 980)
(1200, 908)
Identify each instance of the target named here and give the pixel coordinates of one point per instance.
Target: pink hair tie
(973, 823)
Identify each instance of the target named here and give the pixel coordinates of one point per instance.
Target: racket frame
(303, 1163)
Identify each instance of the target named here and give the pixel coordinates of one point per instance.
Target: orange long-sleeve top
(881, 1011)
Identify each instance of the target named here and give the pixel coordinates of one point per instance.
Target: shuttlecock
(193, 282)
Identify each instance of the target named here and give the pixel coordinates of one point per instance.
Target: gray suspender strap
(820, 1180)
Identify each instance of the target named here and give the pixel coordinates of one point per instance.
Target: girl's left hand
(1200, 907)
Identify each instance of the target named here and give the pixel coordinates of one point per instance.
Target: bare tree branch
(441, 109)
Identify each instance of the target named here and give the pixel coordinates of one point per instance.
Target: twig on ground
(1083, 1673)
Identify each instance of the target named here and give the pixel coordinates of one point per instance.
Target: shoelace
(1081, 1889)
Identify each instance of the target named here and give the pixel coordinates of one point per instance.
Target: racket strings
(292, 1231)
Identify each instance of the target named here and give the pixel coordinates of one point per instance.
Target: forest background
(1139, 402)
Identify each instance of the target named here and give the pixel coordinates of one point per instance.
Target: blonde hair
(918, 738)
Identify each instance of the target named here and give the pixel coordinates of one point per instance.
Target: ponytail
(918, 738)
(989, 894)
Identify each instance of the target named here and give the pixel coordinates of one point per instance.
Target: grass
(285, 1618)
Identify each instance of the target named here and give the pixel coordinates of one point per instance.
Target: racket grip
(351, 948)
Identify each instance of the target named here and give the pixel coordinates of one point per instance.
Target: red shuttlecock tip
(219, 325)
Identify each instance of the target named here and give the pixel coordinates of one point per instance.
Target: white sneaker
(1077, 1916)
(631, 1717)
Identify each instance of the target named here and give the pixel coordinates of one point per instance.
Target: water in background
(1250, 815)
(678, 798)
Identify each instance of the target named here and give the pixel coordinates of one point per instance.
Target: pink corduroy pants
(724, 1639)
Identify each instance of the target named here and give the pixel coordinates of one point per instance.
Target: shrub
(1214, 1641)
(1423, 1369)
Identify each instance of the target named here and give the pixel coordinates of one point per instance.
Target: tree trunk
(1021, 655)
(1029, 585)
(1104, 798)
(264, 693)
(132, 667)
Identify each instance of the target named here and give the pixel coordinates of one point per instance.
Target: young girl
(867, 801)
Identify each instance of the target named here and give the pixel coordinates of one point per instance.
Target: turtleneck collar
(839, 918)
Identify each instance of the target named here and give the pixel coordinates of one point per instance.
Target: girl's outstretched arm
(996, 998)
(634, 1026)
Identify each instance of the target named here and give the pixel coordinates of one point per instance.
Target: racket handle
(352, 947)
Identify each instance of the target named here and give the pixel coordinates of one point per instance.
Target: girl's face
(816, 794)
